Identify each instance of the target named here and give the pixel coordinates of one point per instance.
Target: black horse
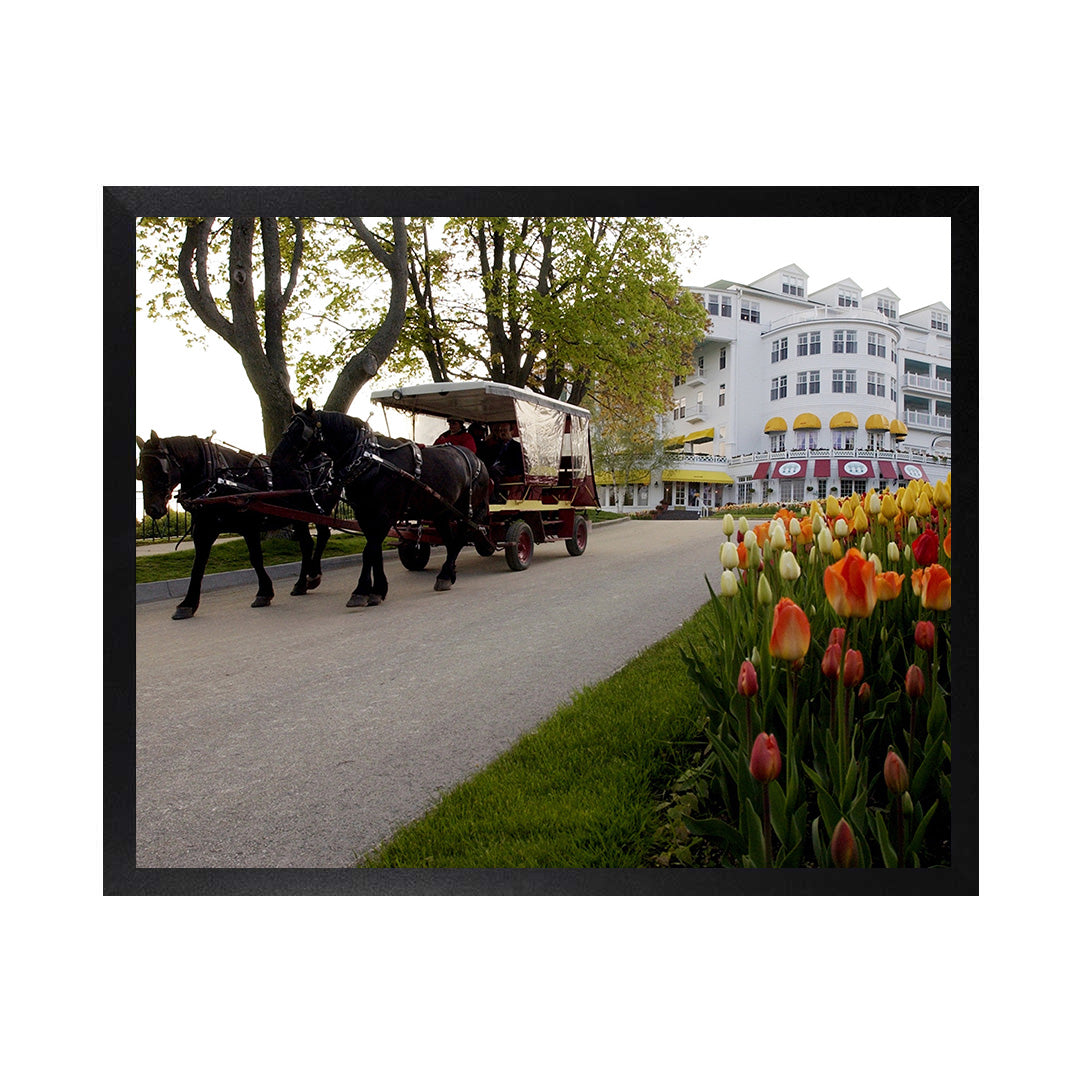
(392, 480)
(203, 468)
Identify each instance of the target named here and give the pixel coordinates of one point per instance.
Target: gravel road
(305, 733)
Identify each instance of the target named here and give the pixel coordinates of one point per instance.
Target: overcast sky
(196, 390)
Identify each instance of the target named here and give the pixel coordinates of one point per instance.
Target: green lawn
(580, 791)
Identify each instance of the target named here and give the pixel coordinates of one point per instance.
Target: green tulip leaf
(715, 827)
(819, 847)
(920, 829)
(754, 836)
(888, 853)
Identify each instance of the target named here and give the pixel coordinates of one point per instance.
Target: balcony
(908, 453)
(928, 420)
(926, 382)
(827, 314)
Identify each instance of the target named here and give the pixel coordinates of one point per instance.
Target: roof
(478, 399)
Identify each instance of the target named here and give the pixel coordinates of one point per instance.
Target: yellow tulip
(942, 496)
(837, 551)
(888, 507)
(832, 507)
(907, 501)
(859, 522)
(922, 507)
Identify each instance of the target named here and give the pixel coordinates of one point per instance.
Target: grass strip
(579, 791)
(233, 555)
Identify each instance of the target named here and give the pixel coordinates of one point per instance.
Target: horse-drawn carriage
(421, 492)
(544, 502)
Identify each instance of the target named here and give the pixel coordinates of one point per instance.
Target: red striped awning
(886, 470)
(761, 471)
(855, 469)
(822, 467)
(789, 470)
(910, 471)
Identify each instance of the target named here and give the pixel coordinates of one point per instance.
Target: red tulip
(830, 662)
(924, 548)
(924, 635)
(849, 585)
(836, 635)
(842, 847)
(915, 682)
(853, 667)
(896, 774)
(765, 759)
(747, 684)
(790, 631)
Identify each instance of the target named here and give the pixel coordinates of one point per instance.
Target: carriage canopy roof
(549, 430)
(488, 402)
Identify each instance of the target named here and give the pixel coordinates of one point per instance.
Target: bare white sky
(185, 391)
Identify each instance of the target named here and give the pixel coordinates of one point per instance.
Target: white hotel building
(800, 394)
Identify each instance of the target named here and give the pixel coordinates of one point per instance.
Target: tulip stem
(766, 825)
(899, 829)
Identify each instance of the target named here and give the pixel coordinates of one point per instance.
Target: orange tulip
(937, 588)
(887, 585)
(790, 638)
(947, 542)
(917, 581)
(762, 533)
(849, 585)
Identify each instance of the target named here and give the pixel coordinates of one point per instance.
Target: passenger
(456, 435)
(479, 434)
(501, 454)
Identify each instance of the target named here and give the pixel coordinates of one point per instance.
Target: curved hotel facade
(798, 395)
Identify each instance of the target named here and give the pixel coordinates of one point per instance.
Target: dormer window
(939, 320)
(847, 298)
(886, 307)
(794, 286)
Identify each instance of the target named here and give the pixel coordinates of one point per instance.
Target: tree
(578, 307)
(627, 443)
(218, 266)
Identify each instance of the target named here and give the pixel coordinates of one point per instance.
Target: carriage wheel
(414, 554)
(577, 543)
(519, 546)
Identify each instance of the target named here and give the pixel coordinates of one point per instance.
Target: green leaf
(778, 811)
(920, 829)
(888, 853)
(755, 838)
(715, 827)
(819, 847)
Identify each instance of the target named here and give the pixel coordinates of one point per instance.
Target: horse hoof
(357, 600)
(313, 582)
(375, 601)
(184, 613)
(298, 590)
(261, 601)
(442, 585)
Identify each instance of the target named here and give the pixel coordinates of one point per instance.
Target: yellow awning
(898, 427)
(700, 475)
(843, 420)
(806, 420)
(637, 477)
(777, 423)
(876, 422)
(705, 435)
(677, 441)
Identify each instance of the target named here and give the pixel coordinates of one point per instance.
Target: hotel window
(801, 439)
(875, 344)
(847, 298)
(875, 384)
(815, 382)
(680, 409)
(809, 344)
(700, 403)
(701, 365)
(892, 389)
(712, 303)
(875, 440)
(845, 341)
(887, 308)
(779, 349)
(679, 380)
(939, 320)
(723, 393)
(794, 286)
(776, 441)
(778, 388)
(725, 306)
(843, 381)
(723, 358)
(850, 386)
(843, 439)
(846, 487)
(750, 311)
(800, 383)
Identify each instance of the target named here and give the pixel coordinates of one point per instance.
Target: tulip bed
(826, 682)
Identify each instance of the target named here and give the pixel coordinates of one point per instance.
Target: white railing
(912, 453)
(930, 420)
(927, 382)
(821, 314)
